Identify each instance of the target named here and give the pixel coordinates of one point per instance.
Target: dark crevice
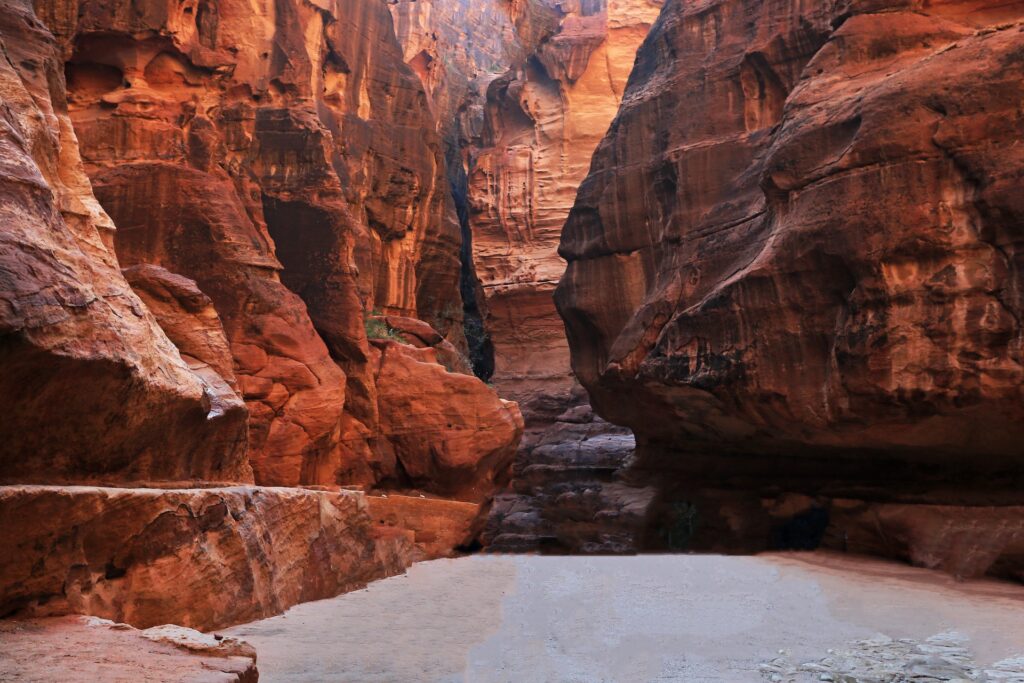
(481, 348)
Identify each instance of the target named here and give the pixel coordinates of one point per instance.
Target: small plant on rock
(377, 328)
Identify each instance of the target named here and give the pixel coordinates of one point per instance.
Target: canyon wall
(92, 386)
(293, 174)
(796, 266)
(541, 122)
(231, 263)
(522, 93)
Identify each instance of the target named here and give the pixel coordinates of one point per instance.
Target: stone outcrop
(450, 432)
(796, 262)
(567, 495)
(92, 388)
(542, 121)
(436, 527)
(456, 48)
(292, 172)
(273, 182)
(87, 648)
(202, 558)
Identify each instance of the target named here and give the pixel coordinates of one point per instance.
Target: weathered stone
(203, 558)
(450, 433)
(566, 494)
(92, 388)
(542, 122)
(796, 263)
(286, 162)
(87, 648)
(439, 528)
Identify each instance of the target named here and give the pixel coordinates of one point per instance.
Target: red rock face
(797, 259)
(203, 558)
(273, 182)
(450, 432)
(92, 388)
(437, 528)
(542, 121)
(294, 175)
(87, 648)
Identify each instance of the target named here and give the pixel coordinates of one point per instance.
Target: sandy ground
(652, 618)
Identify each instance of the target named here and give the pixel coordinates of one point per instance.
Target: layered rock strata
(201, 558)
(292, 173)
(542, 121)
(567, 495)
(796, 263)
(74, 337)
(272, 182)
(436, 527)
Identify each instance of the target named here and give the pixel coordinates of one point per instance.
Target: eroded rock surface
(567, 495)
(437, 527)
(92, 388)
(202, 558)
(451, 433)
(289, 172)
(796, 262)
(542, 121)
(275, 179)
(87, 648)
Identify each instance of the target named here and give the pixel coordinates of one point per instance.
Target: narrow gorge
(297, 293)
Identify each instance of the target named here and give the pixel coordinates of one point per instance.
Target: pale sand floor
(651, 618)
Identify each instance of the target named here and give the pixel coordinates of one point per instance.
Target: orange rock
(544, 120)
(191, 322)
(440, 528)
(91, 386)
(294, 174)
(966, 541)
(451, 433)
(149, 557)
(735, 264)
(796, 262)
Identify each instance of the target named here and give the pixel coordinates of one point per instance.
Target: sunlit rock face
(92, 387)
(796, 262)
(541, 122)
(286, 161)
(456, 47)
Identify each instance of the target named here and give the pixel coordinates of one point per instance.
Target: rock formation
(567, 495)
(93, 387)
(541, 123)
(434, 526)
(273, 183)
(202, 558)
(292, 172)
(796, 264)
(88, 648)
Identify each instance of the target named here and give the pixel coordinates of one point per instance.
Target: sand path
(651, 618)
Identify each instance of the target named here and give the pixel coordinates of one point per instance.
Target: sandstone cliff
(293, 173)
(541, 123)
(92, 387)
(274, 183)
(796, 262)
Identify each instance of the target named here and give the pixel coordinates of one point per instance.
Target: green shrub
(379, 329)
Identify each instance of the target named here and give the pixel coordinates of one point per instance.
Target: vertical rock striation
(286, 162)
(542, 121)
(275, 178)
(796, 262)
